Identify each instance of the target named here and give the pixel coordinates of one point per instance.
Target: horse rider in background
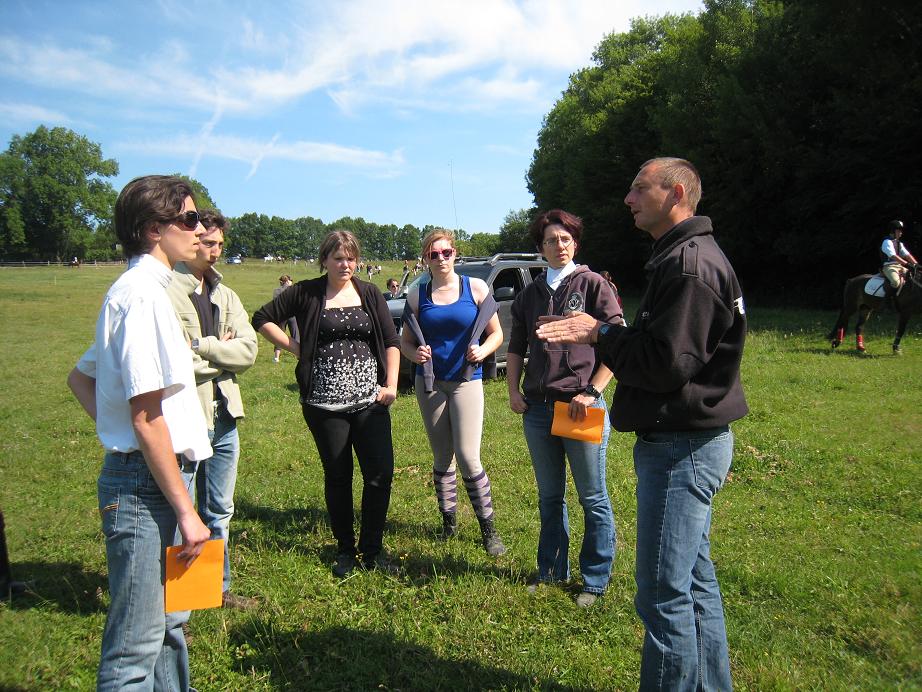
(896, 259)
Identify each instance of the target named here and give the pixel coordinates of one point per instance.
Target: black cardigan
(305, 300)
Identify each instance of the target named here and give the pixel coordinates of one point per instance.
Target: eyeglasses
(188, 220)
(558, 240)
(445, 254)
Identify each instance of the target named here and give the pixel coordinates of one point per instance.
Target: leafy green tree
(483, 244)
(53, 195)
(200, 194)
(513, 234)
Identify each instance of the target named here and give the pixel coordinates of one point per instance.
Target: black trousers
(368, 432)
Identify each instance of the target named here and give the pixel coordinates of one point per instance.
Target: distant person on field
(896, 259)
(223, 345)
(571, 374)
(450, 313)
(392, 289)
(291, 324)
(136, 381)
(678, 374)
(347, 372)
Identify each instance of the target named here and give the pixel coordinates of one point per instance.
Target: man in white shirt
(896, 259)
(136, 381)
(224, 345)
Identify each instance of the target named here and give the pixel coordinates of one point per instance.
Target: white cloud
(478, 53)
(28, 113)
(254, 152)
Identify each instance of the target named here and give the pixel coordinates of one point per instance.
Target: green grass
(817, 536)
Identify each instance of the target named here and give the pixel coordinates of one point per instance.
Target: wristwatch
(194, 344)
(592, 391)
(604, 329)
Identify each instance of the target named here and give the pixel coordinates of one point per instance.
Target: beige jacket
(214, 359)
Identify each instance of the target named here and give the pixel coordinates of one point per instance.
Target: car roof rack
(505, 256)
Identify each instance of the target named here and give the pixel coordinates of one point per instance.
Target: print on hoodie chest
(576, 302)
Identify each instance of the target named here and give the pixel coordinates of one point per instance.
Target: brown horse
(856, 300)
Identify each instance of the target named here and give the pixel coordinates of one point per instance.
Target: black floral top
(345, 371)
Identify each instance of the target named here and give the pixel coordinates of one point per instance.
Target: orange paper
(198, 586)
(587, 430)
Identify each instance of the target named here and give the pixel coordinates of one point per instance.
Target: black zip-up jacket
(305, 300)
(678, 365)
(558, 372)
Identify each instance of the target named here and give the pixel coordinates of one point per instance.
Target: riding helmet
(896, 225)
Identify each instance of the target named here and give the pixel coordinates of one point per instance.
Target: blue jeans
(143, 648)
(549, 455)
(216, 479)
(678, 599)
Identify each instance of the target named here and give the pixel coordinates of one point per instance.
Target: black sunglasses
(446, 253)
(188, 220)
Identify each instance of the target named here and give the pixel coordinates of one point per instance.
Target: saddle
(876, 286)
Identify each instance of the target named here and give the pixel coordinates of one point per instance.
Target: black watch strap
(592, 391)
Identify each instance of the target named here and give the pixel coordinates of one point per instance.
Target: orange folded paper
(198, 586)
(587, 430)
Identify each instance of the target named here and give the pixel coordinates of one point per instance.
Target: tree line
(55, 203)
(803, 118)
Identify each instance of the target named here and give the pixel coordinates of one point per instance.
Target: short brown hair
(555, 217)
(674, 171)
(150, 199)
(213, 218)
(336, 240)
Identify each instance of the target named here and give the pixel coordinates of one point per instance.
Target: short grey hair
(674, 171)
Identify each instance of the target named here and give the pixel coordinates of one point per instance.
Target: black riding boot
(449, 525)
(492, 543)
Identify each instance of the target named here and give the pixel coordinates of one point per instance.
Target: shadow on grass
(68, 585)
(348, 659)
(295, 529)
(842, 353)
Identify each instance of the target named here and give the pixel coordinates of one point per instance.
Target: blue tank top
(447, 330)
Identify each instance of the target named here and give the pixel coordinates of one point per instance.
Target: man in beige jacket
(224, 345)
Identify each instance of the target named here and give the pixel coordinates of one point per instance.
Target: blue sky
(398, 111)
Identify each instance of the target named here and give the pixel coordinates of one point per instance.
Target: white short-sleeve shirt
(140, 348)
(888, 248)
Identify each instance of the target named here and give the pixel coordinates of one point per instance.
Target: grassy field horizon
(817, 535)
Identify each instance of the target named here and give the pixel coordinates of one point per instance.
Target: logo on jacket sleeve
(576, 302)
(738, 306)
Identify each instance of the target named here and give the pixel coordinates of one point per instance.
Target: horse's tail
(838, 331)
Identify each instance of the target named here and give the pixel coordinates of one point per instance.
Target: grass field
(817, 535)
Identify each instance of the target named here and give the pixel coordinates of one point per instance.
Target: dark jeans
(368, 432)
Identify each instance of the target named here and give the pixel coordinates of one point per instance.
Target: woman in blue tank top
(447, 309)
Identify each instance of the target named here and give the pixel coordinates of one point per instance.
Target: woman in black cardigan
(348, 360)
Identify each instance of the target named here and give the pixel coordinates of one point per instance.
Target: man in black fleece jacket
(679, 389)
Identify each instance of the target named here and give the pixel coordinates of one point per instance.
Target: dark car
(506, 274)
